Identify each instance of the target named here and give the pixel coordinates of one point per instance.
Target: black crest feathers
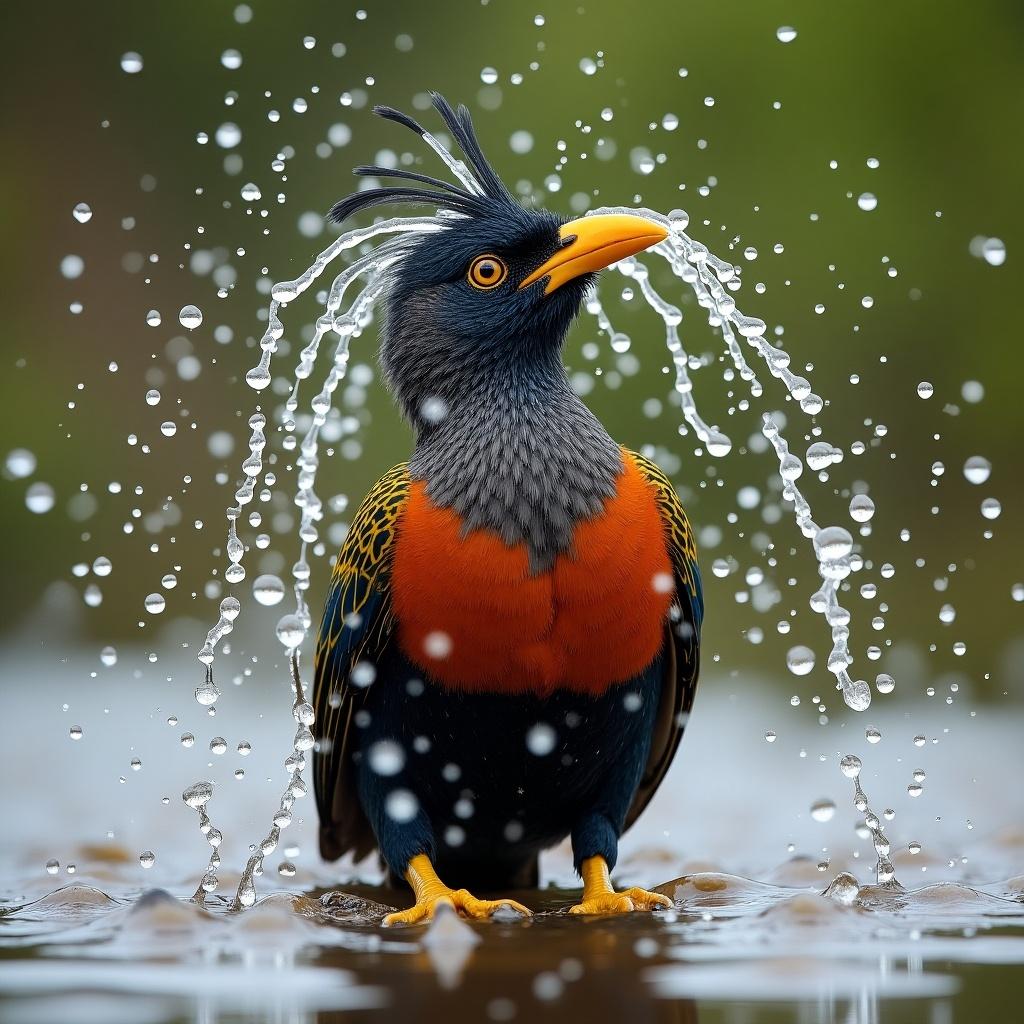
(430, 191)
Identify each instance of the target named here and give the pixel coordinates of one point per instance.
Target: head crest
(489, 192)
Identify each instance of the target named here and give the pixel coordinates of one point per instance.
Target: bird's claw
(621, 902)
(462, 901)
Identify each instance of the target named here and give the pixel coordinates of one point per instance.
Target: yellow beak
(593, 243)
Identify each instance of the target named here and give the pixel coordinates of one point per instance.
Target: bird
(509, 647)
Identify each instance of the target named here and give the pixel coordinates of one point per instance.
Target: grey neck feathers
(518, 453)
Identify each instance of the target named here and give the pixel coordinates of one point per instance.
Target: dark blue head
(488, 299)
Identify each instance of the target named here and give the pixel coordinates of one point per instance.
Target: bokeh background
(704, 108)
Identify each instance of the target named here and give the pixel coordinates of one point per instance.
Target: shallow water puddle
(728, 939)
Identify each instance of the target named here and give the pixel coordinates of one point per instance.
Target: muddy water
(775, 917)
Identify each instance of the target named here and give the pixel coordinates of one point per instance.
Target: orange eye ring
(487, 272)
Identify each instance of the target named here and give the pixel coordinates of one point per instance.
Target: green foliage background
(933, 90)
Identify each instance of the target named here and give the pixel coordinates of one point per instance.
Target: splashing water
(712, 281)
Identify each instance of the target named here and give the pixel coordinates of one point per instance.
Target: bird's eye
(487, 272)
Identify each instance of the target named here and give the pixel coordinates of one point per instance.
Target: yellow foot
(431, 894)
(600, 898)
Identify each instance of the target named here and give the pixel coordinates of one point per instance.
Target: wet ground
(775, 918)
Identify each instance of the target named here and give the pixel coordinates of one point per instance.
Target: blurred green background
(929, 90)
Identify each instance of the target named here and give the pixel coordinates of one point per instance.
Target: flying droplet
(800, 660)
(147, 858)
(290, 631)
(862, 508)
(155, 604)
(190, 317)
(867, 201)
(386, 757)
(198, 794)
(977, 469)
(131, 62)
(785, 33)
(268, 590)
(82, 213)
(991, 508)
(541, 739)
(20, 463)
(39, 498)
(823, 810)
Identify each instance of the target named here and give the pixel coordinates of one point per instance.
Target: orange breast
(471, 615)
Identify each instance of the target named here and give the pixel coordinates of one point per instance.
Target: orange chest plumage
(472, 616)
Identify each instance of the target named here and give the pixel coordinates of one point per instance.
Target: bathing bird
(509, 648)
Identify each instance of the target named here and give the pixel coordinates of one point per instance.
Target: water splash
(710, 278)
(885, 873)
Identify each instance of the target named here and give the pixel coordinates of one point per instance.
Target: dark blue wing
(355, 629)
(682, 664)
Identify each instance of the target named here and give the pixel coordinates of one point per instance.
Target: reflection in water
(324, 956)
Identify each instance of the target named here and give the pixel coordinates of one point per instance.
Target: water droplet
(187, 740)
(785, 33)
(832, 543)
(218, 745)
(155, 604)
(82, 213)
(862, 508)
(290, 631)
(198, 794)
(207, 693)
(286, 869)
(823, 810)
(39, 498)
(925, 389)
(153, 318)
(867, 201)
(20, 463)
(386, 757)
(231, 59)
(251, 192)
(991, 250)
(268, 590)
(488, 76)
(977, 469)
(108, 656)
(800, 660)
(541, 739)
(850, 766)
(190, 317)
(991, 508)
(228, 135)
(872, 734)
(52, 867)
(147, 858)
(75, 732)
(401, 806)
(131, 62)
(769, 736)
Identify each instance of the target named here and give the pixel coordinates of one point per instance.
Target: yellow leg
(431, 892)
(600, 898)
